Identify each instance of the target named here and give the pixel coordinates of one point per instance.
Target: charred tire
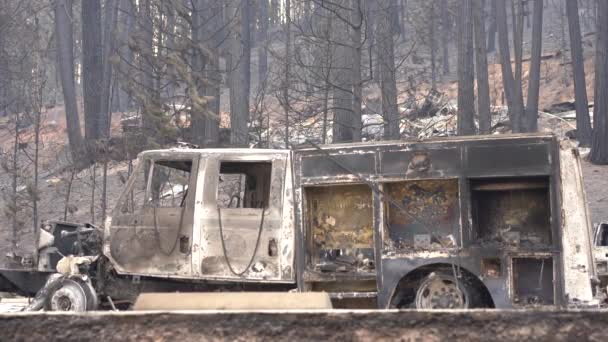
(441, 290)
(72, 294)
(456, 289)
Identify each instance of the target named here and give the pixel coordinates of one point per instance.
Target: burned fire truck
(461, 222)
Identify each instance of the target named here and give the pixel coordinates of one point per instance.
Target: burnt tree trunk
(481, 69)
(110, 22)
(531, 117)
(432, 23)
(599, 140)
(150, 110)
(126, 22)
(386, 61)
(239, 73)
(445, 34)
(92, 74)
(492, 28)
(466, 74)
(198, 64)
(263, 42)
(285, 90)
(356, 49)
(514, 99)
(212, 75)
(65, 65)
(583, 122)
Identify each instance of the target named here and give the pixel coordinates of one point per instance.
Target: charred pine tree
(239, 69)
(110, 21)
(285, 81)
(583, 122)
(151, 113)
(92, 73)
(126, 27)
(445, 36)
(492, 28)
(386, 60)
(197, 117)
(514, 98)
(481, 69)
(65, 65)
(466, 73)
(356, 26)
(263, 19)
(530, 123)
(212, 74)
(599, 140)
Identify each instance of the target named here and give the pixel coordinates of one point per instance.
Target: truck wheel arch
(408, 284)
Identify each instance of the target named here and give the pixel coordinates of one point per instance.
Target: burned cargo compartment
(481, 212)
(340, 242)
(511, 212)
(427, 216)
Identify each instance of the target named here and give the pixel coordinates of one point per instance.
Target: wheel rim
(70, 297)
(440, 292)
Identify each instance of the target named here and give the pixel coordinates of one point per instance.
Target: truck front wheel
(73, 294)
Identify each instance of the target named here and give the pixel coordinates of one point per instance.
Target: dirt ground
(477, 325)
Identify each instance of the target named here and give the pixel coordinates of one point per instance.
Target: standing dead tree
(466, 73)
(599, 140)
(65, 66)
(583, 122)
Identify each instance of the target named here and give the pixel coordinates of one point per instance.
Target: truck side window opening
(168, 186)
(134, 200)
(244, 185)
(602, 237)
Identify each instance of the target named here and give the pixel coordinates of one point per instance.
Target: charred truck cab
(464, 222)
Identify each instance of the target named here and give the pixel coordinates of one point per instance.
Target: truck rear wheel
(441, 290)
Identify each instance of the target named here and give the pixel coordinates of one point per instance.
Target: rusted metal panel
(422, 161)
(321, 166)
(511, 159)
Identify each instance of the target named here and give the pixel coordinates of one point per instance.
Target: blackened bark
(356, 49)
(583, 123)
(445, 27)
(197, 64)
(240, 74)
(386, 61)
(599, 140)
(481, 68)
(213, 76)
(65, 65)
(92, 75)
(531, 118)
(150, 109)
(263, 38)
(342, 95)
(432, 22)
(492, 28)
(466, 74)
(110, 22)
(126, 24)
(514, 99)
